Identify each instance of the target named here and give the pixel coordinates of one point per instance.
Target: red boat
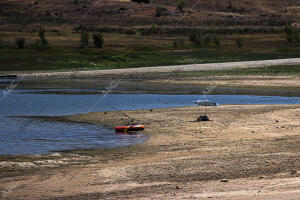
(129, 128)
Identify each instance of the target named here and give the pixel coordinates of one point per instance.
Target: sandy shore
(256, 148)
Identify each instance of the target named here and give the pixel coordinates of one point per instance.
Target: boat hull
(129, 128)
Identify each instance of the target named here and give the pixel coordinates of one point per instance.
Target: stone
(224, 180)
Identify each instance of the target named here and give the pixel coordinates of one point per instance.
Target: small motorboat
(130, 128)
(206, 103)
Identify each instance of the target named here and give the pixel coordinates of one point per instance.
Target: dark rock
(224, 180)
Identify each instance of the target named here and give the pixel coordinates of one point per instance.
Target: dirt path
(255, 147)
(193, 67)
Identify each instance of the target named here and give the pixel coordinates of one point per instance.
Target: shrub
(196, 39)
(98, 40)
(158, 11)
(178, 43)
(296, 36)
(130, 32)
(154, 28)
(239, 42)
(43, 37)
(207, 39)
(4, 44)
(289, 33)
(216, 40)
(84, 39)
(20, 42)
(38, 46)
(181, 4)
(141, 1)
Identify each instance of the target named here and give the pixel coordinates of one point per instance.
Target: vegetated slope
(124, 13)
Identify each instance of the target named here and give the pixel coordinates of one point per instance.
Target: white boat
(205, 103)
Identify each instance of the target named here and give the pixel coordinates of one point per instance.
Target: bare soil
(256, 148)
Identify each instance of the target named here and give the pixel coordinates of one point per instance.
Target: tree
(207, 39)
(239, 42)
(158, 11)
(289, 30)
(196, 39)
(98, 40)
(84, 39)
(216, 40)
(20, 42)
(141, 1)
(181, 4)
(43, 37)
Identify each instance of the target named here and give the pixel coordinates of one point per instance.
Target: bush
(98, 40)
(216, 40)
(4, 44)
(289, 33)
(38, 46)
(207, 39)
(196, 39)
(158, 11)
(239, 42)
(296, 36)
(84, 39)
(178, 43)
(43, 37)
(20, 42)
(141, 1)
(181, 4)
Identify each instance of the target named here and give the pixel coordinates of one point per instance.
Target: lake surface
(35, 136)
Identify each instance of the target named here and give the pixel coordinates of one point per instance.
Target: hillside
(216, 14)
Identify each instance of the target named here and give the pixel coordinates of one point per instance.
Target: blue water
(36, 136)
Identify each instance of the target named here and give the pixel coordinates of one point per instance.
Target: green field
(284, 70)
(130, 51)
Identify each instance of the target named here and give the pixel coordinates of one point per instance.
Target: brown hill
(259, 14)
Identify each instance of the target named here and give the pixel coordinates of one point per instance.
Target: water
(36, 136)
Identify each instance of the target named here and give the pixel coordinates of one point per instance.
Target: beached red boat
(130, 128)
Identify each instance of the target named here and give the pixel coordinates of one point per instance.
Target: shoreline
(159, 69)
(240, 143)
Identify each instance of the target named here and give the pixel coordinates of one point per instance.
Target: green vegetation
(291, 34)
(43, 37)
(133, 50)
(141, 1)
(196, 39)
(20, 42)
(181, 4)
(216, 40)
(90, 58)
(239, 42)
(158, 11)
(98, 40)
(84, 39)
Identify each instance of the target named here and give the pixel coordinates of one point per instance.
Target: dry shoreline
(158, 69)
(255, 146)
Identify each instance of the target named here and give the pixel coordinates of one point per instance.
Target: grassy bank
(288, 70)
(130, 51)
